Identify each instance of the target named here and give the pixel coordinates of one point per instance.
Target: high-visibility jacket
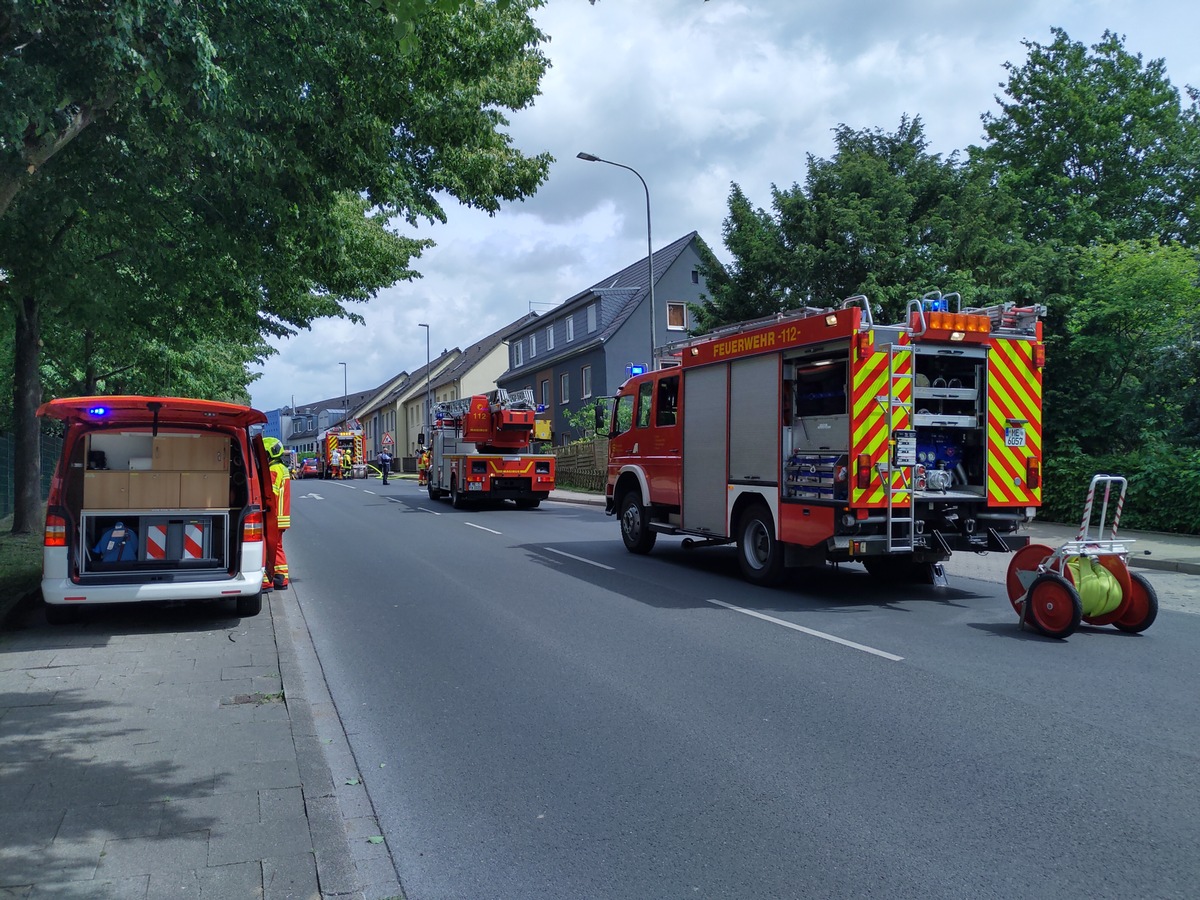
(281, 480)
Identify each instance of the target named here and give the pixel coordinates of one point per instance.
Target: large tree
(1097, 143)
(202, 165)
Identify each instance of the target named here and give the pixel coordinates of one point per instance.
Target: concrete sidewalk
(148, 753)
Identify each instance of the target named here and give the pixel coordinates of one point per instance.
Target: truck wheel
(1143, 606)
(526, 503)
(434, 493)
(457, 500)
(635, 524)
(759, 553)
(1054, 605)
(60, 613)
(248, 607)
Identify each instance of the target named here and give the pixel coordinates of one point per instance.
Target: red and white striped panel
(193, 540)
(156, 542)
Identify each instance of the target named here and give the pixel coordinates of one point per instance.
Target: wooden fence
(582, 466)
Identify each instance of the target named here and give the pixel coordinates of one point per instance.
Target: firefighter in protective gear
(276, 573)
(423, 466)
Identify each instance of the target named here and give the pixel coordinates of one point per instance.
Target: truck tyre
(457, 500)
(759, 553)
(434, 493)
(60, 613)
(526, 503)
(248, 607)
(635, 524)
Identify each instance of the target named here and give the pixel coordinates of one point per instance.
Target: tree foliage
(207, 174)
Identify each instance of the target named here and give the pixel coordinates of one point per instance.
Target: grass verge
(20, 565)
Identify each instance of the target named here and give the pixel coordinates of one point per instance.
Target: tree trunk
(27, 395)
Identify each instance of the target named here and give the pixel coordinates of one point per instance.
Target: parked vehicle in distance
(309, 468)
(154, 499)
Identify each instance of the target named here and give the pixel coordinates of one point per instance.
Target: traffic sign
(387, 439)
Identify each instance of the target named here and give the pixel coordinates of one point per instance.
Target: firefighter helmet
(274, 449)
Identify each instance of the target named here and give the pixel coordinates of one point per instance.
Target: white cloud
(695, 96)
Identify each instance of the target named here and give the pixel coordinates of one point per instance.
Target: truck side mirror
(603, 411)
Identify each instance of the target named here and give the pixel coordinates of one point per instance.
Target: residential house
(593, 341)
(400, 411)
(476, 370)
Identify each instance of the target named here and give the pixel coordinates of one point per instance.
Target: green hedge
(1161, 479)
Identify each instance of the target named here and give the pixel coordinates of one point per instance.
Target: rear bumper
(58, 588)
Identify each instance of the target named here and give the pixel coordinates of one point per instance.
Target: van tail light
(862, 472)
(252, 528)
(56, 532)
(1033, 473)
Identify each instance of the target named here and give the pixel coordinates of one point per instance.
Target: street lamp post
(589, 157)
(345, 397)
(428, 405)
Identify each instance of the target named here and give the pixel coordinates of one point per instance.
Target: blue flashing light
(97, 410)
(637, 370)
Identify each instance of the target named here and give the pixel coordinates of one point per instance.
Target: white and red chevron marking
(156, 542)
(193, 540)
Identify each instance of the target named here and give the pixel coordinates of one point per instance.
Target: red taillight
(252, 528)
(1033, 473)
(863, 339)
(862, 472)
(56, 532)
(1039, 356)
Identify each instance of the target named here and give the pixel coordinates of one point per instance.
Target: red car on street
(309, 469)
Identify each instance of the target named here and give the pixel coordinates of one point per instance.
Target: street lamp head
(588, 157)
(422, 325)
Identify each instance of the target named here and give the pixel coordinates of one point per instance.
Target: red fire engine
(818, 436)
(497, 427)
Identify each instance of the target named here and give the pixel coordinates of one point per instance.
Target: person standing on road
(275, 574)
(348, 463)
(385, 464)
(335, 463)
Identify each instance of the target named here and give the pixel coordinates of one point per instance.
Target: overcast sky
(695, 96)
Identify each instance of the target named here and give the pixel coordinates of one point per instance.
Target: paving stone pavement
(178, 752)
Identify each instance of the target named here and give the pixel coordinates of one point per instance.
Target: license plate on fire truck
(475, 486)
(1014, 437)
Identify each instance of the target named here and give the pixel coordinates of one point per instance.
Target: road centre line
(809, 631)
(432, 512)
(365, 491)
(578, 558)
(481, 528)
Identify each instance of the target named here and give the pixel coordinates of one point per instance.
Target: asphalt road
(538, 713)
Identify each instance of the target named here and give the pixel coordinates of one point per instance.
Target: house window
(695, 277)
(570, 328)
(591, 313)
(676, 315)
(564, 388)
(549, 338)
(545, 392)
(518, 354)
(586, 377)
(532, 346)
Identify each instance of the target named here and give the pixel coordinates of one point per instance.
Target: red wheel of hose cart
(1022, 570)
(1054, 605)
(1116, 565)
(1141, 607)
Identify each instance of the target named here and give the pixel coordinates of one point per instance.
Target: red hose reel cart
(1087, 579)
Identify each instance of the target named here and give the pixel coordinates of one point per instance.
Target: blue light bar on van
(97, 410)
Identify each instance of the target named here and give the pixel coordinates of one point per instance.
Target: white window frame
(585, 378)
(549, 338)
(545, 391)
(518, 354)
(533, 345)
(564, 387)
(682, 307)
(593, 317)
(570, 328)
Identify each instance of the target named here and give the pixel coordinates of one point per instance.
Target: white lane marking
(365, 491)
(393, 500)
(809, 631)
(432, 512)
(480, 527)
(311, 496)
(578, 558)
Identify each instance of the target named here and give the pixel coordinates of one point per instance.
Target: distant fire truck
(344, 439)
(477, 451)
(818, 436)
